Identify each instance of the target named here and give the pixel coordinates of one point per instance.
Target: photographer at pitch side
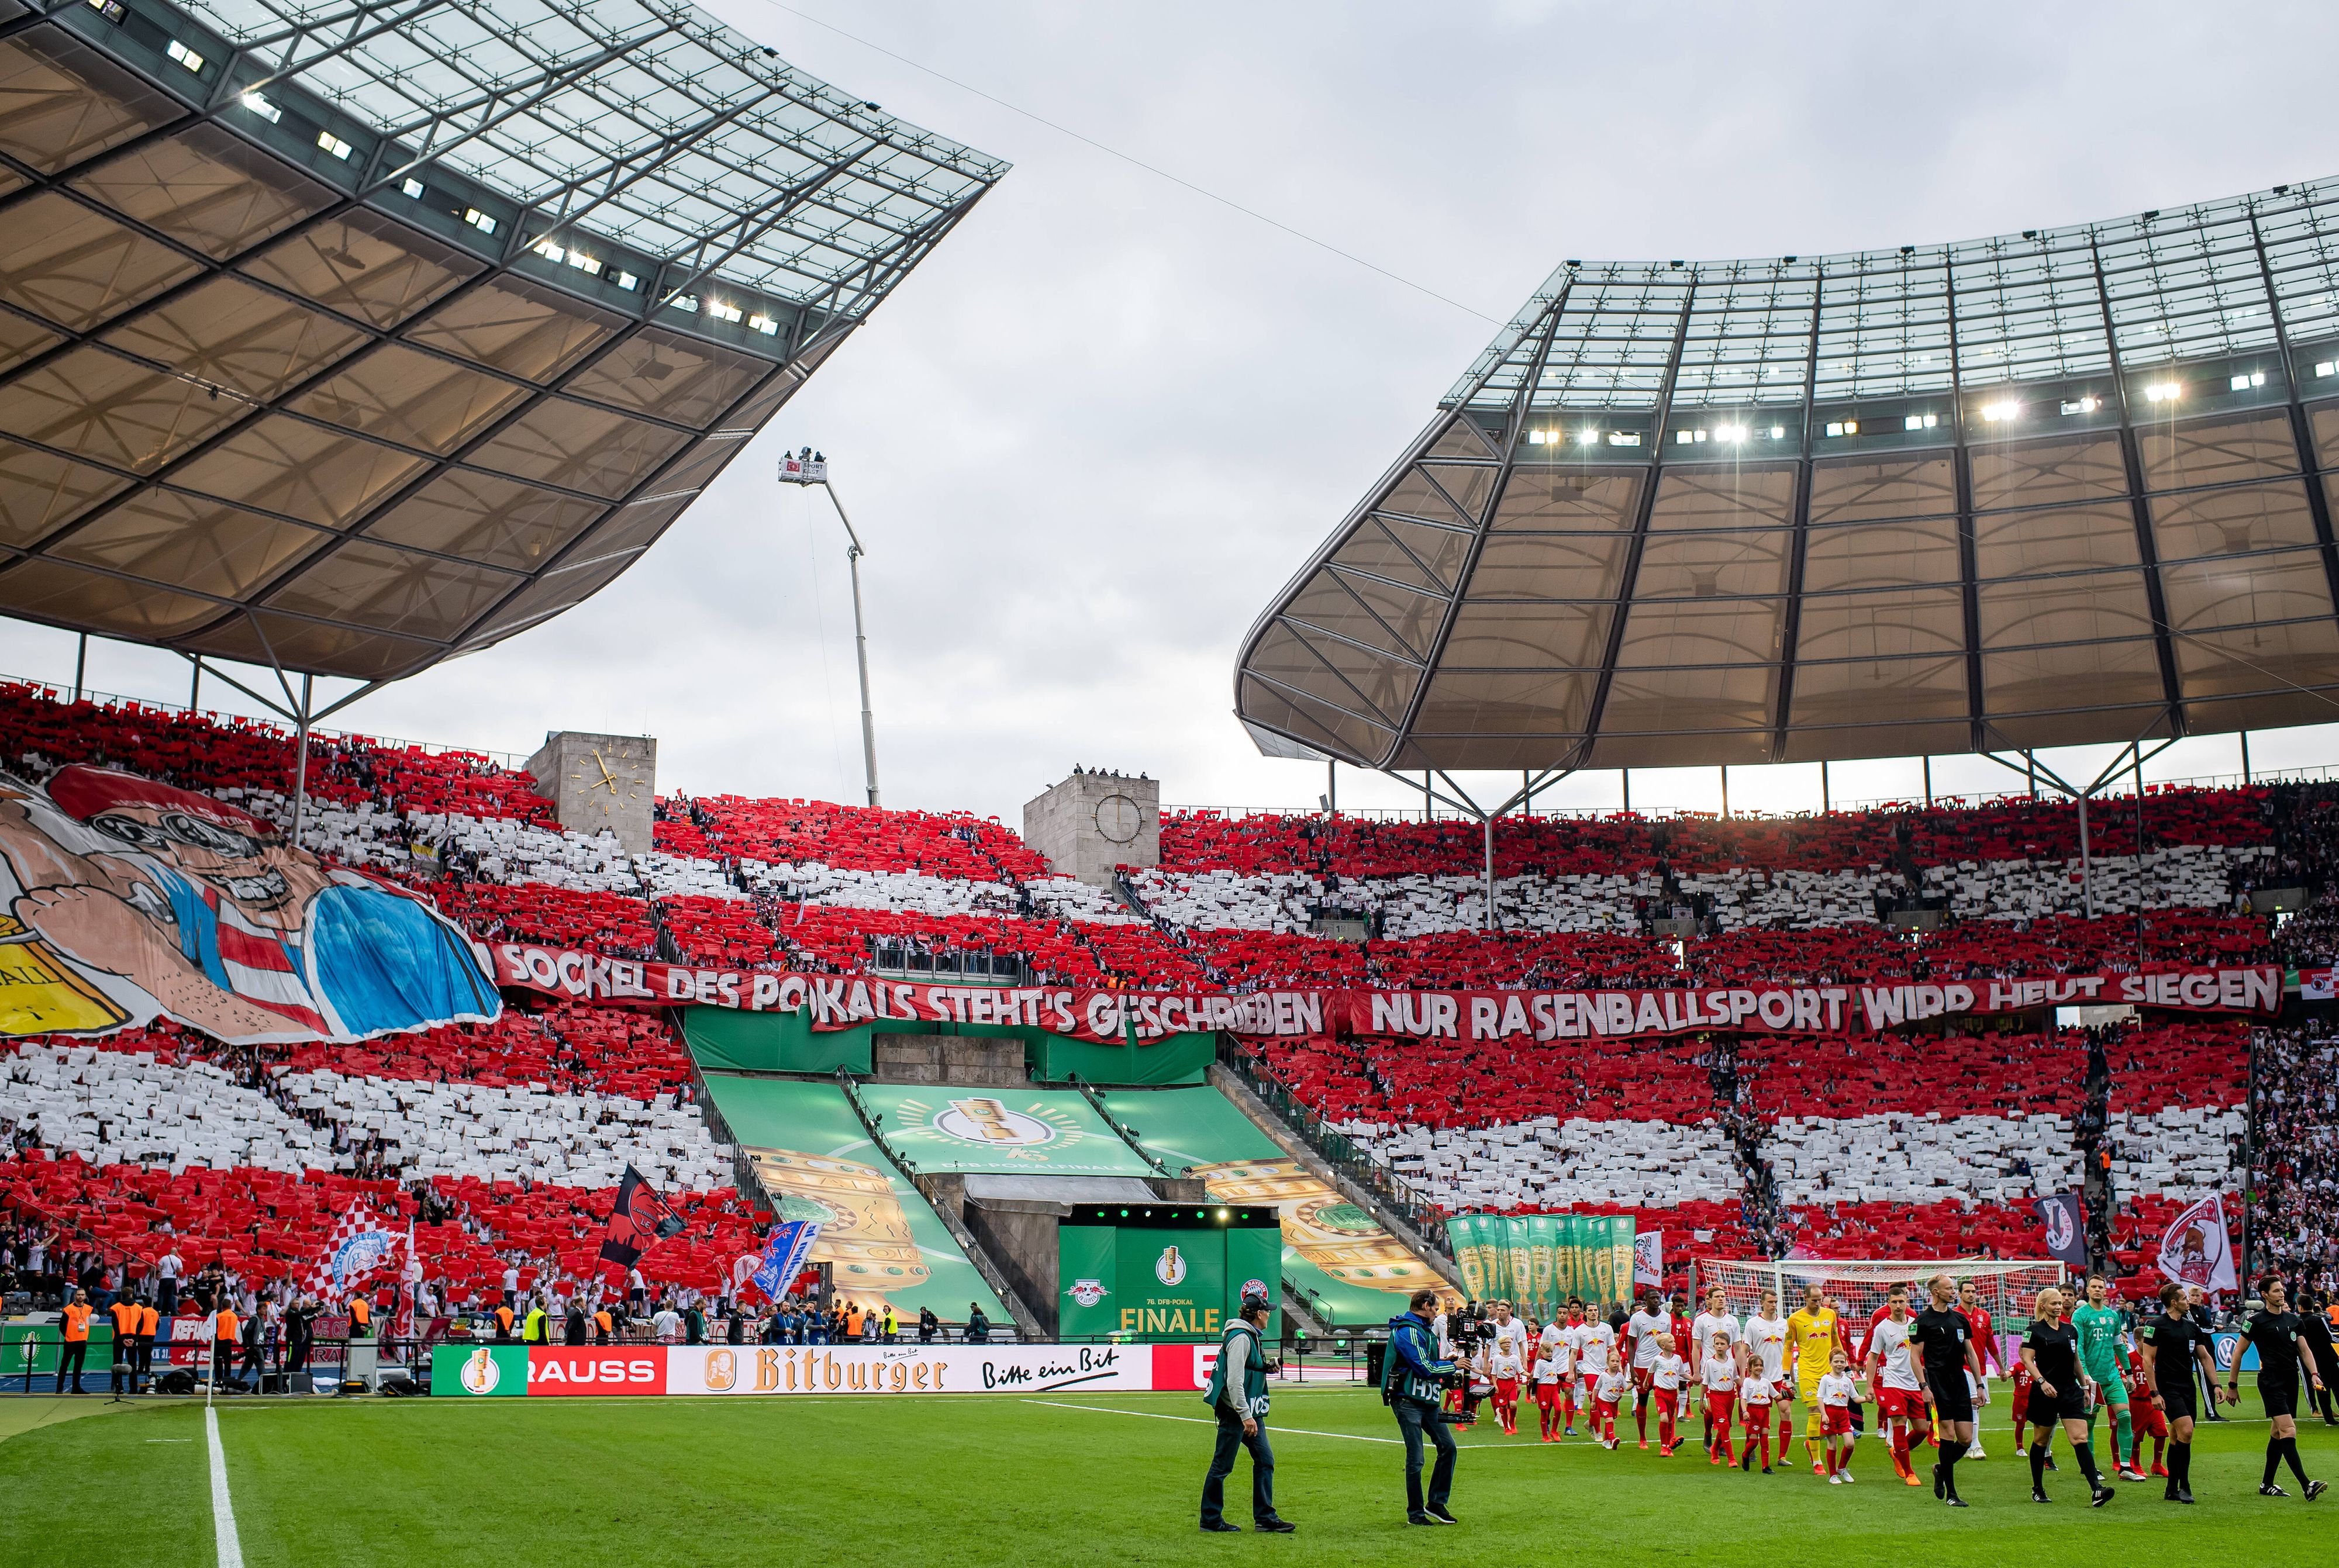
(1237, 1396)
(1413, 1384)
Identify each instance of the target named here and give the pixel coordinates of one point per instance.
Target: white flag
(1649, 1257)
(2195, 1250)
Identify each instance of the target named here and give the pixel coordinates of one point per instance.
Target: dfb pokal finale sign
(639, 1371)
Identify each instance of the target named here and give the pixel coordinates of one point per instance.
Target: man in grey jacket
(1237, 1395)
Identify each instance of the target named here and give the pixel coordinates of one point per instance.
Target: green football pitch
(985, 1479)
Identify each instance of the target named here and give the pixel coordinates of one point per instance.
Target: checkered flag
(356, 1248)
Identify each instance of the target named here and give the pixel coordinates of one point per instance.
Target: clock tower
(1093, 821)
(598, 782)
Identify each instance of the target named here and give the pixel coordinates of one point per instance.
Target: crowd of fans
(2140, 1112)
(2293, 1177)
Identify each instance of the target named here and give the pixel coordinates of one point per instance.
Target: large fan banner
(848, 1001)
(129, 901)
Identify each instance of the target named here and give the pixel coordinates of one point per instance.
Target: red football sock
(1901, 1445)
(1666, 1425)
(1830, 1456)
(1641, 1416)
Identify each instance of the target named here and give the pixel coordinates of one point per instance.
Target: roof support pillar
(2318, 505)
(2148, 550)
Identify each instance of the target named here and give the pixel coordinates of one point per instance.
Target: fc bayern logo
(1255, 1288)
(1088, 1292)
(1169, 1269)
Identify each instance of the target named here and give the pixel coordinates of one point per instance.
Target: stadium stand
(513, 1132)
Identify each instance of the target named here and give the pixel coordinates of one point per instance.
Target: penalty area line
(224, 1539)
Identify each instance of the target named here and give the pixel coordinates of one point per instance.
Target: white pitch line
(1108, 1410)
(229, 1549)
(1158, 1415)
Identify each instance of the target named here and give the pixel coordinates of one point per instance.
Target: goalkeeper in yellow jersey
(1814, 1333)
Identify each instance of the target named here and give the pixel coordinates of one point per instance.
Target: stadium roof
(2051, 488)
(350, 336)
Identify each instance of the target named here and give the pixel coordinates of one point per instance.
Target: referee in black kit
(1946, 1338)
(2282, 1353)
(2059, 1391)
(2173, 1345)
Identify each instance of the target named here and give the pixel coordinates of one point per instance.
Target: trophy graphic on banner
(1334, 1235)
(42, 994)
(865, 1235)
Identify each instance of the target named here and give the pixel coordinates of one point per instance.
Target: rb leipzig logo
(1088, 1292)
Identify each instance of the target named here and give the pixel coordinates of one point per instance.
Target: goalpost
(2008, 1287)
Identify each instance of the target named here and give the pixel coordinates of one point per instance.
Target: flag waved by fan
(784, 1257)
(638, 1219)
(2197, 1249)
(357, 1249)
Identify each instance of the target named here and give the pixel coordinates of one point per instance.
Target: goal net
(1858, 1287)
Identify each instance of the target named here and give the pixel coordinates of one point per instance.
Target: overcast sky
(1091, 438)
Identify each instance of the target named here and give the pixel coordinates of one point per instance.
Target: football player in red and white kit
(1642, 1331)
(1756, 1395)
(2018, 1407)
(1763, 1340)
(1546, 1375)
(1596, 1349)
(1507, 1350)
(1984, 1340)
(1558, 1342)
(2145, 1423)
(1717, 1318)
(1836, 1392)
(1609, 1386)
(1667, 1375)
(1892, 1377)
(1719, 1374)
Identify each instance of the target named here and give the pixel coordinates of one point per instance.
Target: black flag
(640, 1217)
(2066, 1219)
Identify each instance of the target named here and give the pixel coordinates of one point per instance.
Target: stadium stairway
(1228, 1078)
(1028, 1326)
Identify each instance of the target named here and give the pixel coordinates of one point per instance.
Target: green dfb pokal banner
(1160, 1282)
(1536, 1261)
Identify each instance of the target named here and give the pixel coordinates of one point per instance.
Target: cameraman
(1412, 1382)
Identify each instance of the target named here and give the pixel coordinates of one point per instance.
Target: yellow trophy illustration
(989, 1117)
(865, 1235)
(1330, 1232)
(41, 994)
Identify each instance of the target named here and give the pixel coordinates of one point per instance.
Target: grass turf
(984, 1479)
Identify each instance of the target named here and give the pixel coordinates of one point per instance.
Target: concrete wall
(947, 1059)
(596, 782)
(1020, 1235)
(1092, 823)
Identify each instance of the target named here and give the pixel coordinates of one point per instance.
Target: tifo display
(1782, 1081)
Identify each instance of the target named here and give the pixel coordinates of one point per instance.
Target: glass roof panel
(647, 122)
(77, 267)
(184, 542)
(204, 188)
(244, 340)
(1949, 453)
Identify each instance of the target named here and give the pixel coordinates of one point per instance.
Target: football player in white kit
(1641, 1331)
